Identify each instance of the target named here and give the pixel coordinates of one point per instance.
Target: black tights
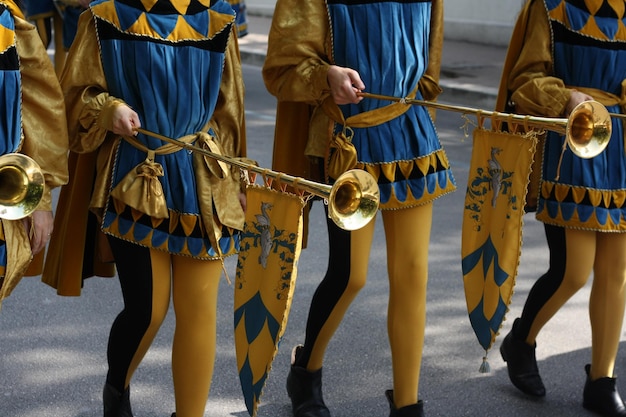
(330, 289)
(135, 274)
(546, 286)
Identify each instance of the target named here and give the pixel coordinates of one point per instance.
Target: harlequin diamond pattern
(603, 21)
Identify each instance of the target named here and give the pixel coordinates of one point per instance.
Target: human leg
(345, 276)
(145, 281)
(407, 234)
(571, 260)
(606, 302)
(606, 312)
(580, 246)
(519, 354)
(195, 287)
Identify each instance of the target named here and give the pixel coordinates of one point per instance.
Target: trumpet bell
(353, 199)
(588, 130)
(21, 186)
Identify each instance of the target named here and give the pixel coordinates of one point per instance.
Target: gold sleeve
(535, 90)
(298, 55)
(429, 83)
(84, 85)
(229, 116)
(43, 110)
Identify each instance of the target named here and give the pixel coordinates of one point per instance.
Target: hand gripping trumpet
(587, 130)
(352, 200)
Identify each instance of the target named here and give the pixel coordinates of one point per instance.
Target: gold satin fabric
(45, 140)
(528, 65)
(525, 72)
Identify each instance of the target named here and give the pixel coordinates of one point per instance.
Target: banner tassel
(484, 367)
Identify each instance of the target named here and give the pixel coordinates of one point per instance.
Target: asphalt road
(52, 349)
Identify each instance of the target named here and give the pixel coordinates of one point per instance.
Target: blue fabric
(387, 43)
(70, 24)
(35, 7)
(239, 6)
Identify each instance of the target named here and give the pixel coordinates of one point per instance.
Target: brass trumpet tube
(587, 130)
(320, 190)
(21, 186)
(555, 124)
(353, 199)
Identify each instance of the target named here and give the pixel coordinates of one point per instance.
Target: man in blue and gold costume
(33, 124)
(316, 67)
(564, 52)
(173, 67)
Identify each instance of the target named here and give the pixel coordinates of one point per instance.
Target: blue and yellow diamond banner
(492, 226)
(266, 277)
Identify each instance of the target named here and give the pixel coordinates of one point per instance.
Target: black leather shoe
(601, 396)
(413, 410)
(522, 365)
(305, 390)
(116, 404)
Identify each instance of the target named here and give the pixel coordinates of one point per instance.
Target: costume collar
(15, 10)
(170, 6)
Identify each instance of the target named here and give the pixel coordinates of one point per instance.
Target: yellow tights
(602, 253)
(146, 286)
(407, 234)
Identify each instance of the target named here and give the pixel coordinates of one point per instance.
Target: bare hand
(243, 201)
(84, 3)
(575, 99)
(344, 84)
(39, 227)
(125, 121)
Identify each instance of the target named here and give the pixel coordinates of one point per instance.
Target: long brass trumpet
(587, 130)
(352, 200)
(21, 186)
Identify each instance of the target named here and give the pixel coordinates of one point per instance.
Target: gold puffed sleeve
(85, 88)
(43, 110)
(534, 89)
(228, 122)
(89, 105)
(429, 83)
(44, 139)
(228, 119)
(298, 52)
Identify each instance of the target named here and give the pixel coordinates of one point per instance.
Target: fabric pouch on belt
(343, 155)
(141, 188)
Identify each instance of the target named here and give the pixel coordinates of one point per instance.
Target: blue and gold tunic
(589, 53)
(176, 64)
(404, 153)
(394, 46)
